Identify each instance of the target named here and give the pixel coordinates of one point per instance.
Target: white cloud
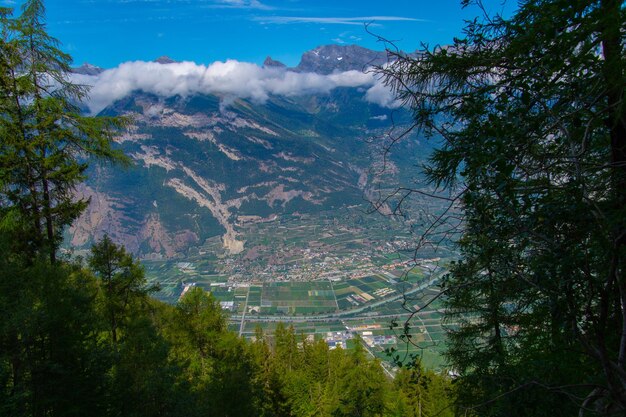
(240, 4)
(334, 20)
(382, 95)
(230, 79)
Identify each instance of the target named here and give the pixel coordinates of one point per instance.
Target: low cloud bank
(230, 79)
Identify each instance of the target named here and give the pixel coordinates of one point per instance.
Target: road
(243, 316)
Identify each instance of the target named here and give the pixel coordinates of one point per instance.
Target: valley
(284, 207)
(325, 274)
(227, 231)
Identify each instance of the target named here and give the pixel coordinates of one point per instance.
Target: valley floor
(332, 277)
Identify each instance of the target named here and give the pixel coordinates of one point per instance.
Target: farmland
(331, 277)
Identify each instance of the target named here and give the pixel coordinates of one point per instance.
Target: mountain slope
(206, 163)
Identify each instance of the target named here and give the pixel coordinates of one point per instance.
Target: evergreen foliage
(61, 357)
(532, 115)
(44, 136)
(123, 284)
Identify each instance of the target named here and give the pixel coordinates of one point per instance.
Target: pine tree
(362, 385)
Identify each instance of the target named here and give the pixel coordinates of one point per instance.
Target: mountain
(88, 69)
(327, 59)
(165, 60)
(331, 58)
(269, 62)
(206, 164)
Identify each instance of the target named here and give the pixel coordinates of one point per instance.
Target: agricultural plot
(254, 300)
(360, 291)
(428, 335)
(240, 295)
(169, 279)
(223, 293)
(297, 298)
(428, 341)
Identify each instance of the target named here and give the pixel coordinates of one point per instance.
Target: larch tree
(123, 282)
(51, 361)
(45, 139)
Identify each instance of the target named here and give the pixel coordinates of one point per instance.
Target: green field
(311, 298)
(428, 333)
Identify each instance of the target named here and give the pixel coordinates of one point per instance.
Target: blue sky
(108, 32)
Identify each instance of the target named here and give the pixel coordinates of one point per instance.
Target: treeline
(88, 340)
(84, 337)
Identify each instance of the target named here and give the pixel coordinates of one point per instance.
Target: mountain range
(204, 164)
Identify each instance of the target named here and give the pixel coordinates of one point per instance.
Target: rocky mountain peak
(271, 63)
(165, 60)
(331, 58)
(87, 69)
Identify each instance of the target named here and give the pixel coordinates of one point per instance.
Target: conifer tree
(531, 114)
(45, 139)
(51, 361)
(362, 385)
(123, 283)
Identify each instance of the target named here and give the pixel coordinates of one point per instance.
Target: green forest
(531, 116)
